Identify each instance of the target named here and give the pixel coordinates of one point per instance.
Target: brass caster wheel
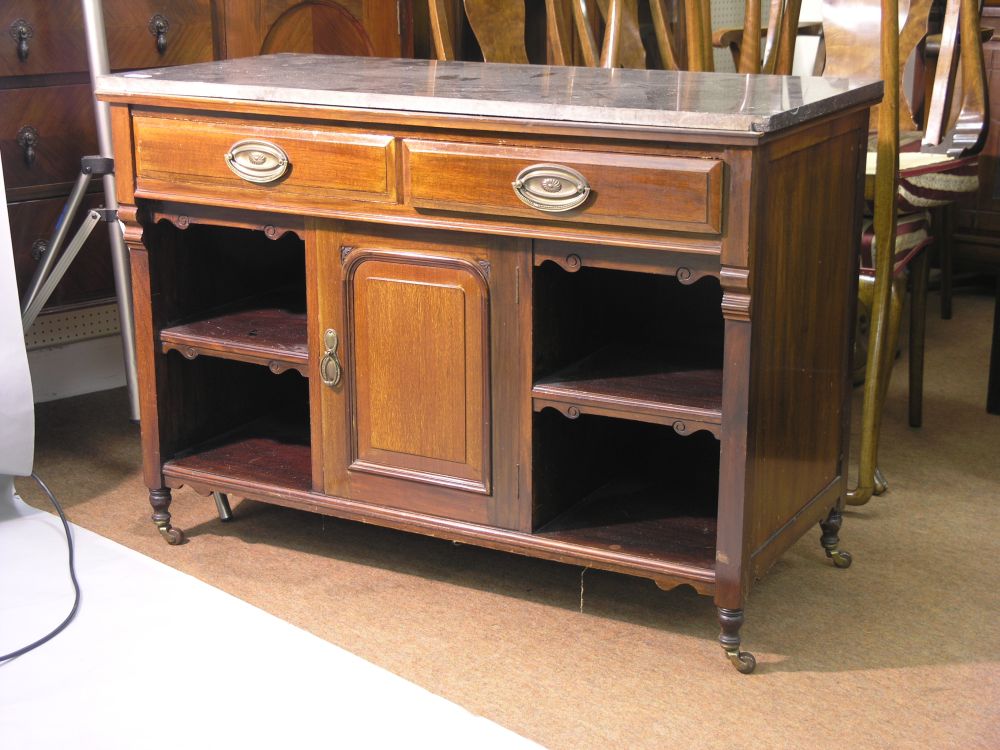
(744, 661)
(881, 486)
(840, 559)
(171, 535)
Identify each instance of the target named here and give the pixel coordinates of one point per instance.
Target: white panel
(77, 368)
(17, 414)
(158, 660)
(51, 329)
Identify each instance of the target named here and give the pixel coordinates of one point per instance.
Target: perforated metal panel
(52, 329)
(728, 14)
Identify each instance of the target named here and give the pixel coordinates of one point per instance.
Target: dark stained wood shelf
(641, 517)
(270, 332)
(270, 451)
(674, 388)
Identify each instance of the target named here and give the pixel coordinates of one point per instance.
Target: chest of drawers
(46, 110)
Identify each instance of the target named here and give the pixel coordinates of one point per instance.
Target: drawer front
(44, 132)
(48, 35)
(90, 276)
(241, 163)
(154, 33)
(629, 190)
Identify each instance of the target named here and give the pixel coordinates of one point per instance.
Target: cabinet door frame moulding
(353, 260)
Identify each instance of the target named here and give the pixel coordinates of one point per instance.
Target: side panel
(803, 283)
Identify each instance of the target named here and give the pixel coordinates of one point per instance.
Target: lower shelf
(640, 517)
(623, 527)
(268, 452)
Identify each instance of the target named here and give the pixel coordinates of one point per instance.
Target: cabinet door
(415, 339)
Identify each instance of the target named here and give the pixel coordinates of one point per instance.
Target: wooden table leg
(993, 389)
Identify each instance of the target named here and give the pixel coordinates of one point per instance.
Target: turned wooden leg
(831, 538)
(946, 219)
(993, 387)
(731, 620)
(160, 500)
(918, 316)
(885, 373)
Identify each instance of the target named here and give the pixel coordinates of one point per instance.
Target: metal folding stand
(53, 266)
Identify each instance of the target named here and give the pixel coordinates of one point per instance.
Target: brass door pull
(551, 187)
(257, 161)
(329, 366)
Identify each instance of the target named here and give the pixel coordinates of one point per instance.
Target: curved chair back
(499, 27)
(956, 112)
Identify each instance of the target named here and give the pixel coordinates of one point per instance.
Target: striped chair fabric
(912, 235)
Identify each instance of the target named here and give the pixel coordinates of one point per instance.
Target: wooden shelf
(269, 452)
(630, 383)
(270, 332)
(644, 518)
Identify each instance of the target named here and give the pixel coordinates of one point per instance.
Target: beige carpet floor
(896, 652)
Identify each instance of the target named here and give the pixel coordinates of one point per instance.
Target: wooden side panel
(657, 192)
(803, 281)
(420, 353)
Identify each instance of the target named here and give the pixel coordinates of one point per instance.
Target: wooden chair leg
(993, 389)
(945, 217)
(918, 318)
(885, 375)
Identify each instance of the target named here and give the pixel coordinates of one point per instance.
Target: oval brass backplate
(257, 161)
(329, 365)
(551, 187)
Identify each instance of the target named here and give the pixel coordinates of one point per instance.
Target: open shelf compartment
(629, 382)
(627, 487)
(270, 331)
(243, 296)
(650, 350)
(272, 451)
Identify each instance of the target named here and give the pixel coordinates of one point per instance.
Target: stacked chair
(910, 171)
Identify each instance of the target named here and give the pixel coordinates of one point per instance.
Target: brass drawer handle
(21, 31)
(158, 27)
(257, 161)
(27, 139)
(329, 366)
(551, 187)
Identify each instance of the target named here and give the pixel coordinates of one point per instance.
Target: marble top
(649, 98)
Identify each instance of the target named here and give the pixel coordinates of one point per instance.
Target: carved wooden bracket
(736, 299)
(276, 366)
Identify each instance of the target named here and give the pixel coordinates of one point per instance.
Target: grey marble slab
(651, 98)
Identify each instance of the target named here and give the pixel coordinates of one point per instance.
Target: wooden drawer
(322, 163)
(629, 190)
(89, 278)
(63, 119)
(56, 42)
